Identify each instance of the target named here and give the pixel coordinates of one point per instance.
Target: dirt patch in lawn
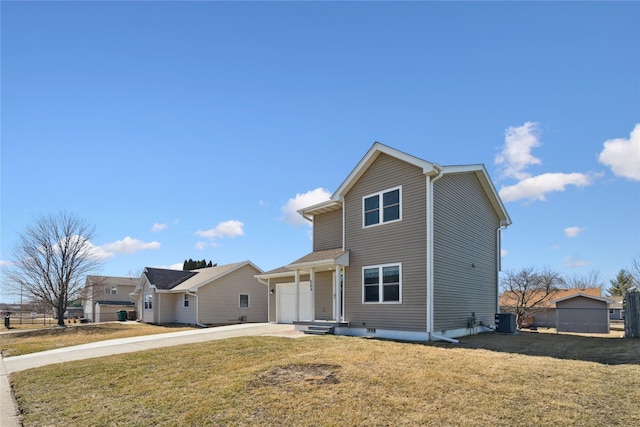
(311, 373)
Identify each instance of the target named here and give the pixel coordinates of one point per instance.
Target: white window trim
(108, 290)
(240, 301)
(381, 207)
(148, 302)
(380, 284)
(185, 301)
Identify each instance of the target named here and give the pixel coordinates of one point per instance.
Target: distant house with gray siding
(209, 296)
(404, 249)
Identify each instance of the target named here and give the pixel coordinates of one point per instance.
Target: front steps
(319, 330)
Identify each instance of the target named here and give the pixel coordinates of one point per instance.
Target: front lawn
(330, 381)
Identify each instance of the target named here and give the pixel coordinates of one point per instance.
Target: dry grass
(31, 341)
(527, 379)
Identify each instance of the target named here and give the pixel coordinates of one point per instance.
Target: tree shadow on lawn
(609, 351)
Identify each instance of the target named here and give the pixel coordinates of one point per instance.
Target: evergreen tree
(620, 285)
(190, 264)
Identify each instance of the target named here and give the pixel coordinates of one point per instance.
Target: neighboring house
(104, 296)
(543, 315)
(616, 308)
(208, 296)
(582, 313)
(404, 249)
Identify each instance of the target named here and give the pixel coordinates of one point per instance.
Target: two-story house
(104, 296)
(404, 249)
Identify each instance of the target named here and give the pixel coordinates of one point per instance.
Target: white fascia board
(370, 157)
(608, 301)
(328, 205)
(487, 185)
(274, 275)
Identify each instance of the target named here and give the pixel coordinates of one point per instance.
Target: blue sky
(194, 129)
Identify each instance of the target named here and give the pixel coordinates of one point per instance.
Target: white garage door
(286, 302)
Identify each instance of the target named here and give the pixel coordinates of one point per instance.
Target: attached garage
(582, 313)
(106, 311)
(286, 302)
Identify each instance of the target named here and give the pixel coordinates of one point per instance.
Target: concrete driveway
(8, 410)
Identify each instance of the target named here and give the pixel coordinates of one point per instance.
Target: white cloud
(573, 231)
(623, 155)
(571, 262)
(128, 245)
(158, 227)
(516, 156)
(504, 252)
(5, 263)
(230, 229)
(176, 266)
(310, 198)
(201, 245)
(536, 187)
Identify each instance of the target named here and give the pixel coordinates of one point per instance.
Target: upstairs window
(382, 283)
(111, 290)
(382, 207)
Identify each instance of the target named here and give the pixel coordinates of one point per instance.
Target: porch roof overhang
(319, 260)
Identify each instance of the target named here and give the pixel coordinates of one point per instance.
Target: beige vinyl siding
(272, 297)
(327, 230)
(166, 307)
(465, 253)
(219, 300)
(185, 314)
(323, 295)
(397, 242)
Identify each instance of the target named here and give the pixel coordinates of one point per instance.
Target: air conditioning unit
(506, 322)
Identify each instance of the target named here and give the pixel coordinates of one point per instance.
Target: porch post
(312, 282)
(297, 294)
(338, 298)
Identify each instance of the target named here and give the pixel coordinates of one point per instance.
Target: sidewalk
(8, 409)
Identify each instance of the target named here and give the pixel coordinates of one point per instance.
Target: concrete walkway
(8, 410)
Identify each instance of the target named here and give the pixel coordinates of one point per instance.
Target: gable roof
(428, 169)
(509, 299)
(111, 281)
(617, 301)
(321, 258)
(581, 295)
(204, 276)
(164, 278)
(376, 149)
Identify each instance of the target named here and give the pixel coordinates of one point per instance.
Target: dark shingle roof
(163, 278)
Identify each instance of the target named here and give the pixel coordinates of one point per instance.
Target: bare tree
(52, 258)
(525, 291)
(635, 272)
(580, 281)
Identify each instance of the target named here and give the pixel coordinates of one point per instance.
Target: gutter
(197, 310)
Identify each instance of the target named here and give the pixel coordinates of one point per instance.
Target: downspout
(499, 264)
(197, 310)
(430, 259)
